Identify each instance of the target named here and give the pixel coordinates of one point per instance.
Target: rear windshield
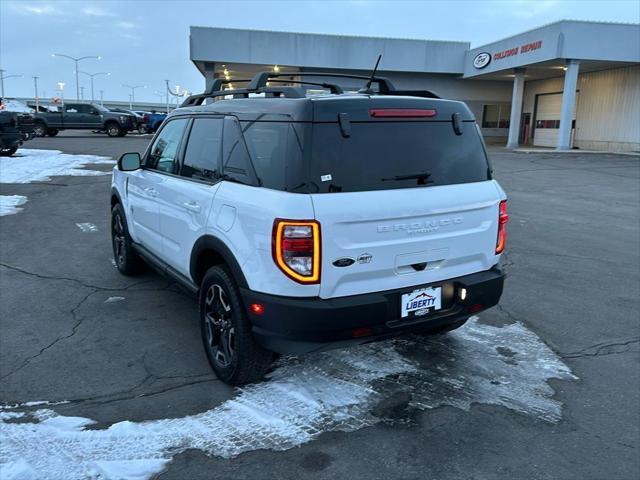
(389, 155)
(317, 158)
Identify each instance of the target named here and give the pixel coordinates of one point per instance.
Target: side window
(236, 163)
(71, 108)
(274, 148)
(203, 149)
(164, 151)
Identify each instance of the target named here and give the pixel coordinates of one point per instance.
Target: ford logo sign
(481, 60)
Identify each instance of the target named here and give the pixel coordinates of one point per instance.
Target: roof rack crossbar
(288, 92)
(384, 84)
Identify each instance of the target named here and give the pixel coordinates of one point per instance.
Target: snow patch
(87, 227)
(114, 299)
(9, 204)
(30, 165)
(306, 396)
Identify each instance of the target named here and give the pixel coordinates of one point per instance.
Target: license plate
(421, 301)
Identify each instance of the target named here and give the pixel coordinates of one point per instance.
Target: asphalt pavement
(128, 348)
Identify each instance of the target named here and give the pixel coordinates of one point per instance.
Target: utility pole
(76, 60)
(35, 83)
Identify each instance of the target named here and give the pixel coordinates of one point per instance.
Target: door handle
(192, 206)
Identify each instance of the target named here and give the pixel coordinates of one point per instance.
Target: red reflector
(401, 113)
(476, 307)
(361, 332)
(503, 218)
(257, 308)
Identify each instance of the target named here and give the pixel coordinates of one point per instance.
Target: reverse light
(462, 294)
(503, 218)
(401, 113)
(296, 249)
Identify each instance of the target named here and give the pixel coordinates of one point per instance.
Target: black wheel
(113, 129)
(127, 261)
(143, 129)
(52, 132)
(122, 133)
(7, 152)
(39, 129)
(233, 353)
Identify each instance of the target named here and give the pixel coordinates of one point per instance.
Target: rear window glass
(376, 154)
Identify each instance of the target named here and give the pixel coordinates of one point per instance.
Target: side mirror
(129, 162)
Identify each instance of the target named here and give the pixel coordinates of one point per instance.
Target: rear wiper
(421, 177)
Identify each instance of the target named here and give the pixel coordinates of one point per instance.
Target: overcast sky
(144, 42)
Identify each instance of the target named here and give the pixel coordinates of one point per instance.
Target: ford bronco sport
(305, 223)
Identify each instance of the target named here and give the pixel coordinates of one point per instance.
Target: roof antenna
(367, 87)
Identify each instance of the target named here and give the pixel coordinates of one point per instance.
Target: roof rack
(258, 84)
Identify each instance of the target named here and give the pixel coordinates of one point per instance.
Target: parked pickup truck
(82, 116)
(16, 126)
(152, 121)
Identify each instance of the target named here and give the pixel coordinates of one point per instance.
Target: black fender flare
(115, 193)
(111, 120)
(209, 242)
(43, 121)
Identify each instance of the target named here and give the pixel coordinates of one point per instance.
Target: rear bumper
(302, 325)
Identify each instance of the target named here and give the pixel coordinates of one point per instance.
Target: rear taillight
(296, 249)
(145, 118)
(503, 218)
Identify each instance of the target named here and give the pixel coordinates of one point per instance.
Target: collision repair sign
(527, 47)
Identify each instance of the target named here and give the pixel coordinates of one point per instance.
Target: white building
(572, 84)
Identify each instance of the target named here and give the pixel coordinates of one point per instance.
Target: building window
(496, 115)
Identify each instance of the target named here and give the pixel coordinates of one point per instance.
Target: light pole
(82, 93)
(76, 60)
(3, 77)
(102, 98)
(133, 92)
(35, 83)
(91, 75)
(177, 93)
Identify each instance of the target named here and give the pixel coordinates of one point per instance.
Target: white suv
(305, 223)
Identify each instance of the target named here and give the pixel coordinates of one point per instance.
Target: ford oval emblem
(481, 60)
(344, 262)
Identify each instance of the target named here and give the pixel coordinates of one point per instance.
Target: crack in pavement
(78, 320)
(602, 349)
(68, 279)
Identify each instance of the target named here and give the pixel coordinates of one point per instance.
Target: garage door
(548, 119)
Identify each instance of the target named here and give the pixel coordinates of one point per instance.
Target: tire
(113, 129)
(122, 133)
(127, 260)
(39, 129)
(7, 152)
(234, 355)
(52, 132)
(143, 129)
